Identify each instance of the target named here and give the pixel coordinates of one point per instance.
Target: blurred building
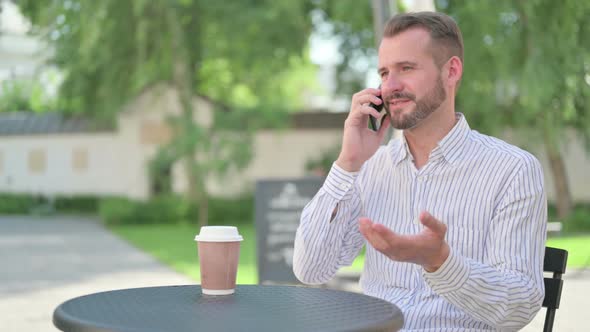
(49, 154)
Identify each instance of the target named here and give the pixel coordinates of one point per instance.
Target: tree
(527, 66)
(235, 54)
(352, 23)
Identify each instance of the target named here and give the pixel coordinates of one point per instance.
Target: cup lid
(218, 234)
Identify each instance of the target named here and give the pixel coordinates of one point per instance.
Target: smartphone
(374, 123)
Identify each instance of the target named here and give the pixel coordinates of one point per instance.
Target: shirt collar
(400, 150)
(450, 146)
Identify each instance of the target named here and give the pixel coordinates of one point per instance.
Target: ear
(454, 71)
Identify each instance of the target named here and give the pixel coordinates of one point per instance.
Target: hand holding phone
(374, 123)
(359, 142)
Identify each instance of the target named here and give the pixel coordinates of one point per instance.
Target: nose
(391, 84)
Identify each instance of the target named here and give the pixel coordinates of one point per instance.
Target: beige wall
(46, 165)
(278, 154)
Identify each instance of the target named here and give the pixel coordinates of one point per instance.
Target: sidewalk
(46, 261)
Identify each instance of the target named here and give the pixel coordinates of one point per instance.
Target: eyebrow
(399, 64)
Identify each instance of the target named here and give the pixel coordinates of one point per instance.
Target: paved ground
(45, 261)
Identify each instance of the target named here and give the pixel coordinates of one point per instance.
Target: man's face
(411, 84)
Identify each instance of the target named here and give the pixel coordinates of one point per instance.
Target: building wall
(278, 154)
(67, 164)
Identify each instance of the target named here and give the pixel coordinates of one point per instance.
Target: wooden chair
(555, 261)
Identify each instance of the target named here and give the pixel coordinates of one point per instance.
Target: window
(153, 132)
(79, 159)
(37, 161)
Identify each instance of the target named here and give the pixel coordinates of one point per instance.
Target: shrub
(118, 211)
(578, 220)
(17, 203)
(163, 209)
(234, 210)
(77, 204)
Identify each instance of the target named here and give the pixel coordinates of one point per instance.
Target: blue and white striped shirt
(489, 194)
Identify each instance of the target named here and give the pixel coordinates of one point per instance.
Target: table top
(250, 308)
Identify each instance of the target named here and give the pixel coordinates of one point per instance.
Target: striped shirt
(489, 194)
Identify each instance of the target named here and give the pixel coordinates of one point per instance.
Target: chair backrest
(555, 261)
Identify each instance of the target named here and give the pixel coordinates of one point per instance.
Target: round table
(250, 308)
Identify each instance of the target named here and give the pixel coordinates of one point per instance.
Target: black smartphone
(375, 124)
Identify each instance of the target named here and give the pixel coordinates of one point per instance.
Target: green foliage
(579, 220)
(351, 23)
(15, 97)
(164, 209)
(87, 204)
(174, 209)
(25, 95)
(118, 211)
(17, 203)
(26, 203)
(239, 210)
(526, 64)
(240, 51)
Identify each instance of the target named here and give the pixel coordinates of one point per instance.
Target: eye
(407, 68)
(383, 74)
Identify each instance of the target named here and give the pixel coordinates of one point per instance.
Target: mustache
(400, 95)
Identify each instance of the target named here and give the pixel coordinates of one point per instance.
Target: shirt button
(344, 186)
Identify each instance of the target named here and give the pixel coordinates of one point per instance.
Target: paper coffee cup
(219, 253)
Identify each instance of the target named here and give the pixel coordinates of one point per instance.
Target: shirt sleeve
(328, 237)
(507, 289)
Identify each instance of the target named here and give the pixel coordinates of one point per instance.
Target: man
(454, 221)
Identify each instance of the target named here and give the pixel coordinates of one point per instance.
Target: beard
(424, 107)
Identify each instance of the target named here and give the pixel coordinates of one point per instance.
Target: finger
(366, 228)
(386, 233)
(367, 98)
(367, 110)
(383, 235)
(373, 91)
(432, 223)
(364, 223)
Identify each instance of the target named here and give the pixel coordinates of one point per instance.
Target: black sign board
(278, 208)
